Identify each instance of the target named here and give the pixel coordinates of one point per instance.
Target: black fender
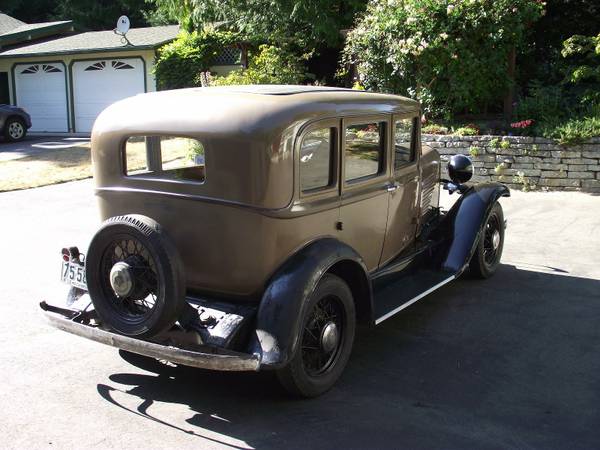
(280, 313)
(463, 223)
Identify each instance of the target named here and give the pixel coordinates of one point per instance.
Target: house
(65, 79)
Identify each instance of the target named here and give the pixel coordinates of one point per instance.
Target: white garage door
(41, 89)
(97, 84)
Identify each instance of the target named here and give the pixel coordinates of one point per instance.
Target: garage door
(41, 89)
(97, 84)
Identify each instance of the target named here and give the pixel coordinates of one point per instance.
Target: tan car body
(238, 227)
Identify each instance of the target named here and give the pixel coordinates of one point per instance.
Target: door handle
(392, 187)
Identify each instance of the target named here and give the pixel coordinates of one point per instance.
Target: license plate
(73, 274)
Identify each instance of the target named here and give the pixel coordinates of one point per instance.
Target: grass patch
(52, 166)
(47, 167)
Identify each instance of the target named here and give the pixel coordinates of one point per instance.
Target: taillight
(66, 254)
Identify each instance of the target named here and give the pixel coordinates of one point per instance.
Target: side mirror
(460, 169)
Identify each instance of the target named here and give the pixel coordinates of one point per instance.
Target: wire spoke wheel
(135, 277)
(321, 339)
(141, 297)
(491, 241)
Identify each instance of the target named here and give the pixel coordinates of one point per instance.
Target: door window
(364, 150)
(403, 142)
(316, 159)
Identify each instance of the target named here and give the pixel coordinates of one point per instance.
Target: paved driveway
(511, 362)
(32, 145)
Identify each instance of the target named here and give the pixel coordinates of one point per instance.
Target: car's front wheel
(14, 130)
(486, 258)
(324, 342)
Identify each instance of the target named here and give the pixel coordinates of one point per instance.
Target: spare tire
(135, 276)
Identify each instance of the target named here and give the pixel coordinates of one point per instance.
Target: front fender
(463, 223)
(279, 316)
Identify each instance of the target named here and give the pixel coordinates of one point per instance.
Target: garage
(98, 83)
(42, 90)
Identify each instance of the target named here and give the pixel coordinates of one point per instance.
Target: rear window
(165, 157)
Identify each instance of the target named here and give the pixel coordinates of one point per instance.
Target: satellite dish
(122, 25)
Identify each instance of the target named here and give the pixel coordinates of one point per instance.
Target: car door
(403, 211)
(364, 181)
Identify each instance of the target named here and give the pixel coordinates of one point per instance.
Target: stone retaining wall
(525, 163)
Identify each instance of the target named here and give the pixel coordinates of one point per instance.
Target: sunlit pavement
(510, 362)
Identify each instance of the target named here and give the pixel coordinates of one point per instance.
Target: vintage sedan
(253, 227)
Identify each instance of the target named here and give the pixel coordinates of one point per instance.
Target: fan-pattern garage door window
(96, 66)
(120, 65)
(101, 65)
(48, 68)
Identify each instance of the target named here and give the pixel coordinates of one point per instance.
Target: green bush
(179, 62)
(575, 131)
(452, 56)
(271, 65)
(466, 131)
(434, 129)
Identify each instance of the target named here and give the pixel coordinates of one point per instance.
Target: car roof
(243, 109)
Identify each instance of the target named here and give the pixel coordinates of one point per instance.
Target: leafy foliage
(86, 14)
(451, 56)
(302, 23)
(575, 131)
(271, 65)
(179, 63)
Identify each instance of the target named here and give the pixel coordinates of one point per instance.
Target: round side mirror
(460, 169)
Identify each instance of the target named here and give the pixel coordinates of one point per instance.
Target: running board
(406, 290)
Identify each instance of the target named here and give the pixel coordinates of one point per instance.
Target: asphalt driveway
(35, 145)
(511, 362)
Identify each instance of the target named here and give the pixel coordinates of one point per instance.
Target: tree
(86, 14)
(453, 56)
(301, 23)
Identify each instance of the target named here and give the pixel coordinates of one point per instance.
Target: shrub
(575, 131)
(434, 129)
(466, 131)
(451, 56)
(179, 63)
(271, 65)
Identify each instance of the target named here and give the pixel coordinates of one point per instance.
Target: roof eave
(35, 33)
(94, 50)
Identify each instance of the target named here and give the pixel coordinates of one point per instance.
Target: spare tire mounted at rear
(135, 277)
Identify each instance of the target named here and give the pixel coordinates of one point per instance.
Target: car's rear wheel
(486, 258)
(14, 129)
(134, 275)
(325, 340)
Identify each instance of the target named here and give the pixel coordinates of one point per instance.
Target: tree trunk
(509, 98)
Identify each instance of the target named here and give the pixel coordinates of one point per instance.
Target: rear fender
(463, 224)
(279, 316)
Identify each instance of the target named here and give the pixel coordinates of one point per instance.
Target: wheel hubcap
(329, 337)
(121, 279)
(496, 239)
(15, 130)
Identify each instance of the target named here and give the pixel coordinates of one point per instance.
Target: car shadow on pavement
(510, 362)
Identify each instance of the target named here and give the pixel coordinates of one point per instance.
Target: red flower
(522, 124)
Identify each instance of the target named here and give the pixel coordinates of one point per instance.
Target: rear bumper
(204, 358)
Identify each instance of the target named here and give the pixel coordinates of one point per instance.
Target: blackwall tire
(14, 130)
(298, 377)
(486, 259)
(158, 273)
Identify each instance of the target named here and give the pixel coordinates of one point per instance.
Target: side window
(363, 150)
(403, 142)
(165, 157)
(316, 159)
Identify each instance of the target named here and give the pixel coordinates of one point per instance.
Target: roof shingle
(95, 41)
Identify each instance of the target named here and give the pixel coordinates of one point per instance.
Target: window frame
(384, 163)
(413, 141)
(152, 174)
(333, 186)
